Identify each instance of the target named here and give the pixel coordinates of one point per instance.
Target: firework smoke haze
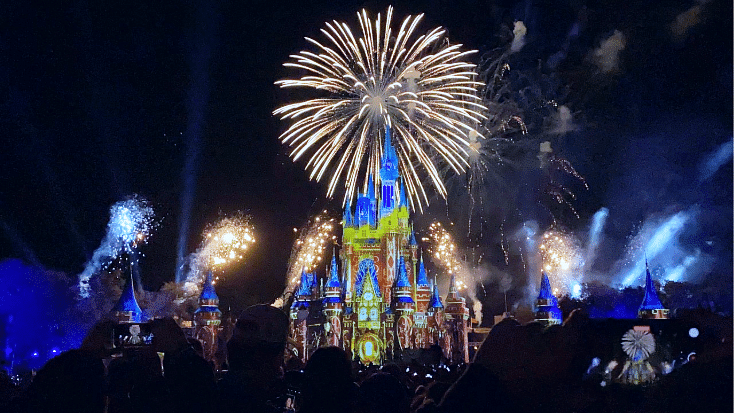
(419, 86)
(131, 222)
(607, 56)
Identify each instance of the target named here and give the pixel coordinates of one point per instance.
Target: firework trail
(223, 242)
(308, 251)
(420, 86)
(131, 223)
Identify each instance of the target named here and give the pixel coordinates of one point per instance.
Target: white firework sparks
(419, 86)
(638, 344)
(131, 223)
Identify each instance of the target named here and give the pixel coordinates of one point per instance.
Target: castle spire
(347, 215)
(421, 279)
(547, 309)
(403, 202)
(333, 281)
(305, 284)
(436, 301)
(402, 280)
(452, 288)
(127, 308)
(651, 306)
(208, 292)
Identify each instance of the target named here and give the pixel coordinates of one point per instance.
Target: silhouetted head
(328, 384)
(382, 393)
(259, 338)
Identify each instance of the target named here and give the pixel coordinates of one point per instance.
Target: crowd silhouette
(518, 368)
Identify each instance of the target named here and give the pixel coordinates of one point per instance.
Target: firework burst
(563, 260)
(223, 243)
(131, 223)
(419, 86)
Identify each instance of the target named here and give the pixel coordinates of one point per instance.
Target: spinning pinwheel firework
(419, 86)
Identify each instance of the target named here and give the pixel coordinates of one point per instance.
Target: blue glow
(661, 239)
(598, 223)
(577, 290)
(35, 354)
(716, 160)
(694, 332)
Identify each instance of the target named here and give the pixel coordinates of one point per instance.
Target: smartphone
(132, 336)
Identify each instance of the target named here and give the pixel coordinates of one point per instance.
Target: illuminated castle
(383, 302)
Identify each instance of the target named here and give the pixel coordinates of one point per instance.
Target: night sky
(101, 100)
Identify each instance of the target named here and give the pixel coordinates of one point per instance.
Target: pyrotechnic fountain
(131, 223)
(307, 252)
(223, 242)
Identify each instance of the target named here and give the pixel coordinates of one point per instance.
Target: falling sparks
(227, 240)
(223, 243)
(562, 259)
(131, 223)
(420, 86)
(309, 249)
(443, 249)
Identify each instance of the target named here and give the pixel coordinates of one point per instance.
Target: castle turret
(547, 309)
(127, 309)
(365, 211)
(207, 319)
(332, 306)
(388, 177)
(347, 216)
(651, 306)
(457, 315)
(299, 314)
(404, 306)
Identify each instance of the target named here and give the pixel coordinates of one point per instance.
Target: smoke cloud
(607, 56)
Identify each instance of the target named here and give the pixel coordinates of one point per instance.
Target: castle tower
(300, 313)
(457, 318)
(388, 177)
(207, 319)
(404, 307)
(423, 298)
(435, 320)
(547, 310)
(651, 306)
(332, 306)
(127, 309)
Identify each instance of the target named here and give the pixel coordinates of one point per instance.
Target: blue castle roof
(208, 292)
(347, 215)
(421, 279)
(305, 284)
(412, 240)
(402, 200)
(402, 280)
(545, 290)
(127, 301)
(389, 168)
(650, 299)
(436, 301)
(333, 281)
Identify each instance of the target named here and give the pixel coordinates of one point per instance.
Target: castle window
(373, 313)
(362, 315)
